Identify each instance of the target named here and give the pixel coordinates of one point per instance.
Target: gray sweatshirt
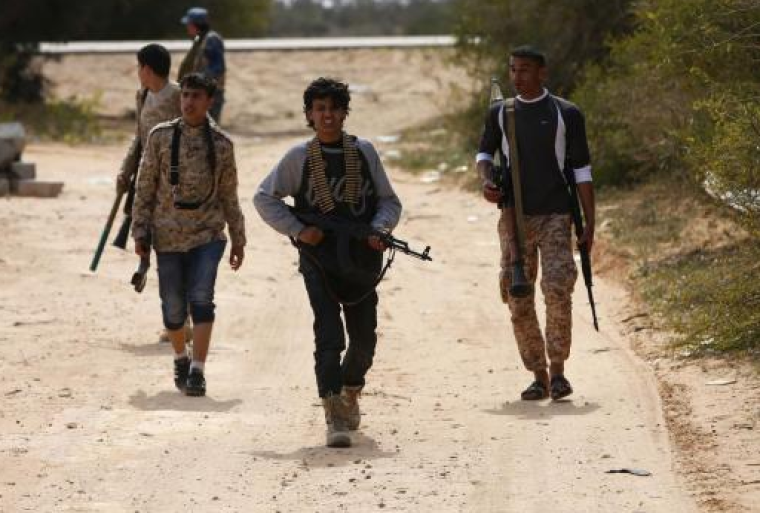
(286, 178)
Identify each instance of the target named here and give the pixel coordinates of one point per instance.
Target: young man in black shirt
(551, 137)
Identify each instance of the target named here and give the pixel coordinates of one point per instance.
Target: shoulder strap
(174, 162)
(174, 166)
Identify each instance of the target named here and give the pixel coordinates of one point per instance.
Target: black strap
(174, 166)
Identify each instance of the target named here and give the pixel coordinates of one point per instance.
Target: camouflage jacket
(156, 108)
(154, 212)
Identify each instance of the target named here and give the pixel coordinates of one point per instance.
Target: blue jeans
(188, 278)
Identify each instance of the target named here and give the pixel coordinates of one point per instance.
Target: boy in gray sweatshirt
(337, 175)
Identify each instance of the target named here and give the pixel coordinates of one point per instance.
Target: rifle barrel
(593, 307)
(104, 234)
(587, 279)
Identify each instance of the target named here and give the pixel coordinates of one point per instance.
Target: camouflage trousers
(551, 237)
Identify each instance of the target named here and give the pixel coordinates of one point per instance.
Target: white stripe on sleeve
(583, 174)
(480, 157)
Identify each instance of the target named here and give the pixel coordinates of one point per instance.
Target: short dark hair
(156, 57)
(326, 88)
(529, 52)
(199, 81)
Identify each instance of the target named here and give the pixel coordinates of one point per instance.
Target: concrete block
(5, 186)
(36, 189)
(8, 154)
(24, 170)
(12, 142)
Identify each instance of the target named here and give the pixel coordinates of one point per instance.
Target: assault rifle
(338, 225)
(583, 249)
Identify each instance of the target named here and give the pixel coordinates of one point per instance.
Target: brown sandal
(535, 392)
(560, 387)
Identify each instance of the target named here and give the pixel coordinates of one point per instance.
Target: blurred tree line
(667, 86)
(680, 95)
(573, 33)
(312, 18)
(24, 23)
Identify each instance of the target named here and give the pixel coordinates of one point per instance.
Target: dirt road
(90, 420)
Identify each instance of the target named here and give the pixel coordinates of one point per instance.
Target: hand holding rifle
(311, 235)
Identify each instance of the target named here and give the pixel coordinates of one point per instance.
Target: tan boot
(335, 417)
(351, 397)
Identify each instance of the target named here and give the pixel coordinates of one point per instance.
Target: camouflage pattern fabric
(550, 236)
(176, 229)
(158, 108)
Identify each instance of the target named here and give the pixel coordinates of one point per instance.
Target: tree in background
(573, 33)
(24, 23)
(681, 95)
(310, 18)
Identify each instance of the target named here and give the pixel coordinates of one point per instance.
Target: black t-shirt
(335, 169)
(362, 264)
(538, 141)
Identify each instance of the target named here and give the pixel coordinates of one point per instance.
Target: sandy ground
(90, 420)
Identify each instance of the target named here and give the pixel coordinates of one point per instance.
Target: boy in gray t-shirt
(338, 175)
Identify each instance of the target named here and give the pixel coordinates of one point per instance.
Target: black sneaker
(181, 371)
(196, 383)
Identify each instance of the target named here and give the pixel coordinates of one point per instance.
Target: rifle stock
(120, 241)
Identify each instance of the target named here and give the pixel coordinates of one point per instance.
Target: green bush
(728, 158)
(707, 298)
(676, 94)
(70, 121)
